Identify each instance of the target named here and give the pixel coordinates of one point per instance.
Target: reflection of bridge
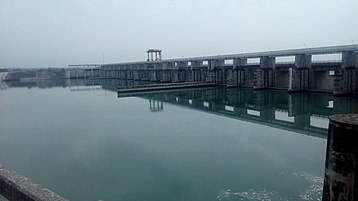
(107, 84)
(301, 113)
(85, 88)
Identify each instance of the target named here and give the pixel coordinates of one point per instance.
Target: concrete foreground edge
(14, 186)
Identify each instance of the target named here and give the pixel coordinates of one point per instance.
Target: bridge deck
(278, 53)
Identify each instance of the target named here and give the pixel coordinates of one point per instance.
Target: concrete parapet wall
(16, 187)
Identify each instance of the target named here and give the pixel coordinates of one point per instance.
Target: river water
(79, 139)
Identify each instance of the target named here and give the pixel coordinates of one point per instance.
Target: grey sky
(44, 33)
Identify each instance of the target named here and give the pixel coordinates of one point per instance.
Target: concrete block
(303, 61)
(267, 62)
(239, 62)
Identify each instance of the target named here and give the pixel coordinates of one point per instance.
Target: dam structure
(302, 73)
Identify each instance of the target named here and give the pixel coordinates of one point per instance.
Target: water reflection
(155, 106)
(303, 113)
(108, 84)
(174, 154)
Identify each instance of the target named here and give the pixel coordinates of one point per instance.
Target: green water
(85, 143)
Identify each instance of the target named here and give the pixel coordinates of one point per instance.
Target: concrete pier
(341, 173)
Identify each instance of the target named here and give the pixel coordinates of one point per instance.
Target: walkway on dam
(277, 53)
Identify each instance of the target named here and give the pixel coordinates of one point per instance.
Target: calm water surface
(85, 143)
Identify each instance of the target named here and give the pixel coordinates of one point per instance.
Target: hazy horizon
(44, 33)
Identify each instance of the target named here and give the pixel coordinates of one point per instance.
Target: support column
(196, 64)
(233, 75)
(167, 65)
(174, 75)
(349, 59)
(135, 75)
(341, 167)
(131, 74)
(182, 64)
(263, 77)
(346, 79)
(241, 77)
(232, 80)
(239, 62)
(215, 67)
(216, 63)
(168, 76)
(153, 75)
(142, 74)
(299, 76)
(195, 68)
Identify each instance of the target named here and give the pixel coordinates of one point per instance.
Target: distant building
(154, 55)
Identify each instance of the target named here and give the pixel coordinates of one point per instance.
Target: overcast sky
(55, 33)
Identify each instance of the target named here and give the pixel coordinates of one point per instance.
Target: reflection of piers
(301, 112)
(3, 85)
(83, 85)
(85, 88)
(155, 106)
(106, 84)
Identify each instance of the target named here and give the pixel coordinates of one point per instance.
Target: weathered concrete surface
(341, 173)
(16, 187)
